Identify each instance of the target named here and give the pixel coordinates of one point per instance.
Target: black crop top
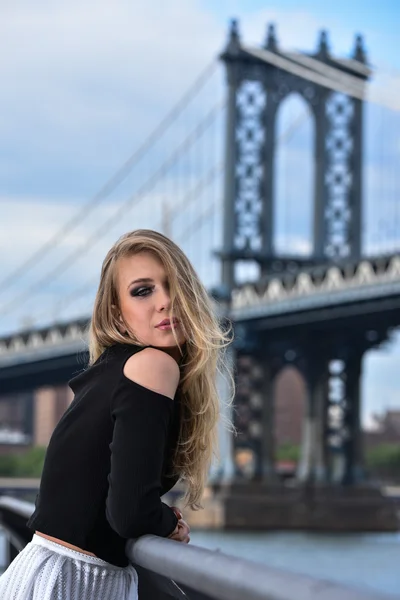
(108, 462)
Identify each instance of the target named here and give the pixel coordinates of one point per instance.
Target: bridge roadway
(365, 295)
(45, 357)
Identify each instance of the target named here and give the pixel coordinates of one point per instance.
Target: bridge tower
(259, 80)
(258, 83)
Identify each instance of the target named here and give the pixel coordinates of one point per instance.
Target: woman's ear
(118, 316)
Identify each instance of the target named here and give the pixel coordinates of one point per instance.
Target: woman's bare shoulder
(155, 370)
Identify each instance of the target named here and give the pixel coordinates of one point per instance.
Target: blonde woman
(144, 415)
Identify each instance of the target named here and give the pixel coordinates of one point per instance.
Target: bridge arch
(289, 407)
(294, 176)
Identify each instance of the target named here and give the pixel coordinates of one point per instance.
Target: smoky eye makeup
(141, 291)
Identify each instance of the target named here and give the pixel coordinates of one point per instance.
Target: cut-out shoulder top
(109, 461)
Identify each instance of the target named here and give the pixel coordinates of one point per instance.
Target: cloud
(100, 46)
(68, 290)
(41, 220)
(84, 83)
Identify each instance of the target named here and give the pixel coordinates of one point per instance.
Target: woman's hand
(181, 533)
(177, 512)
(182, 530)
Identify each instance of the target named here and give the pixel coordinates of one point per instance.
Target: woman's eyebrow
(140, 280)
(144, 280)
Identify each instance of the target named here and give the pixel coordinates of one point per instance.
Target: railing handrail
(225, 577)
(218, 575)
(20, 507)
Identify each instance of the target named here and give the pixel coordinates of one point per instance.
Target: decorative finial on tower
(323, 48)
(359, 50)
(271, 41)
(234, 38)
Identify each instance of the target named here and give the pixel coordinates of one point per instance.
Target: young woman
(144, 415)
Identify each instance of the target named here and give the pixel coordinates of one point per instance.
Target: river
(365, 561)
(369, 561)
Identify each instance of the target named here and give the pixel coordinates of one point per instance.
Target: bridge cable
(105, 227)
(329, 77)
(200, 187)
(119, 176)
(187, 200)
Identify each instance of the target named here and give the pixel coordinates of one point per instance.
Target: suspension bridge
(284, 193)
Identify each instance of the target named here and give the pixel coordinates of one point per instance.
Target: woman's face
(144, 299)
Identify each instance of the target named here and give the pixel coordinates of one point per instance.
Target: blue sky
(83, 84)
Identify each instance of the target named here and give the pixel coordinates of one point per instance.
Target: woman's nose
(164, 300)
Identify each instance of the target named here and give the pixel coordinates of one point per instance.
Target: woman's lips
(168, 325)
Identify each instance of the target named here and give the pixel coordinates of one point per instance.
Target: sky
(83, 84)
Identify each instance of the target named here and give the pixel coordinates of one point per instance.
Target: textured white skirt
(45, 570)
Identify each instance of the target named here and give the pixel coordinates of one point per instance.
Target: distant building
(28, 419)
(289, 407)
(386, 430)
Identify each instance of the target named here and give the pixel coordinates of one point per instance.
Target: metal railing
(224, 577)
(169, 569)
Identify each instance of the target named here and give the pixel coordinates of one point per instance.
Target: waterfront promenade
(364, 562)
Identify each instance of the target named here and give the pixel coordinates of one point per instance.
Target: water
(365, 561)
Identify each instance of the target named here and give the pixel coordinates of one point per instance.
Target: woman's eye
(143, 291)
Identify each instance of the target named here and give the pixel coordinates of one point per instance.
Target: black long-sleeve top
(108, 462)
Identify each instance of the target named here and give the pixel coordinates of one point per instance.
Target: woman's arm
(142, 408)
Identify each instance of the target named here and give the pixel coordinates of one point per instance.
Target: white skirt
(45, 570)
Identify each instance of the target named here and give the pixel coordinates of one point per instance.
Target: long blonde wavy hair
(203, 355)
